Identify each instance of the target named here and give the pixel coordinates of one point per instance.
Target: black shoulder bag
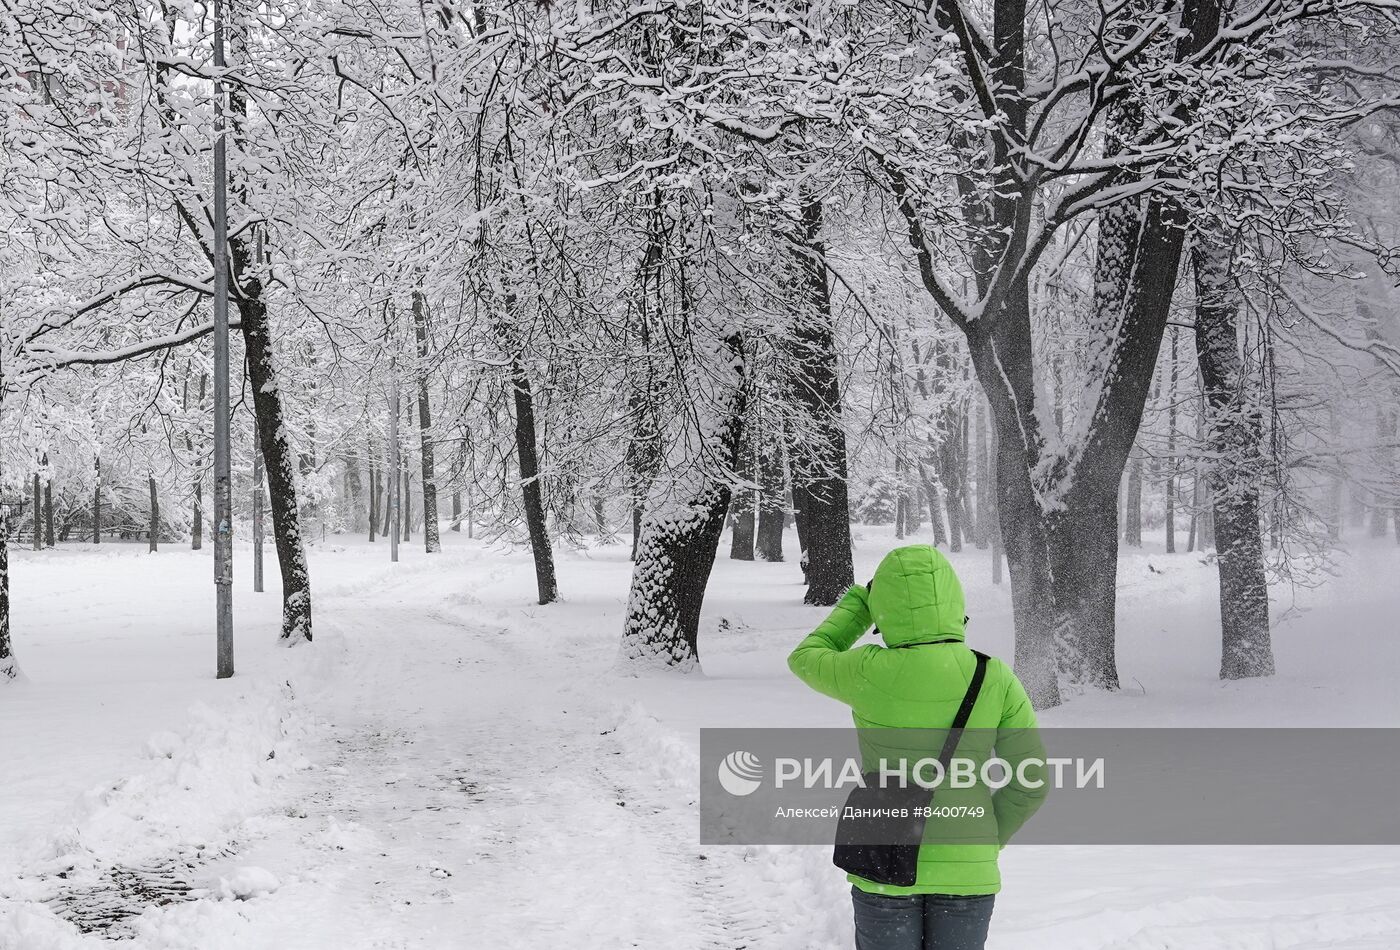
(884, 849)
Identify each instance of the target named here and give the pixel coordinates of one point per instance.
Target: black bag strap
(955, 731)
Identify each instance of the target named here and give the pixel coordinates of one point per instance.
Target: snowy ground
(452, 766)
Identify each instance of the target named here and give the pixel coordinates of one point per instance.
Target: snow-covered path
(459, 788)
(451, 767)
(473, 795)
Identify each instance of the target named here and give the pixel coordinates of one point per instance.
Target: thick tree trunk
(432, 543)
(935, 508)
(457, 511)
(1235, 428)
(1025, 546)
(772, 492)
(279, 460)
(531, 492)
(817, 450)
(1062, 558)
(680, 535)
(153, 530)
(1048, 502)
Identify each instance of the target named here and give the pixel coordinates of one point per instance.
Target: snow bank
(141, 840)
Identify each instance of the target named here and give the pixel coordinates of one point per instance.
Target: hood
(915, 597)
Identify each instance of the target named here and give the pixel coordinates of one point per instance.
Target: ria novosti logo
(740, 773)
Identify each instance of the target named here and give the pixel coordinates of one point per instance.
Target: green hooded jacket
(915, 599)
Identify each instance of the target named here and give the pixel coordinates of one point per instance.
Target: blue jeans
(921, 921)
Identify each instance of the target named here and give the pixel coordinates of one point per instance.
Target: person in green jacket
(918, 680)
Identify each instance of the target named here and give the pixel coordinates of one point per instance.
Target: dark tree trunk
(1062, 595)
(679, 540)
(771, 494)
(1139, 258)
(279, 461)
(532, 494)
(197, 518)
(154, 530)
(97, 500)
(432, 543)
(457, 511)
(9, 669)
(406, 490)
(742, 502)
(817, 451)
(48, 514)
(387, 507)
(373, 490)
(1234, 432)
(935, 508)
(1191, 530)
(1171, 483)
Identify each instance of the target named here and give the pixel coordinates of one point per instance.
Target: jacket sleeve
(824, 660)
(1018, 741)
